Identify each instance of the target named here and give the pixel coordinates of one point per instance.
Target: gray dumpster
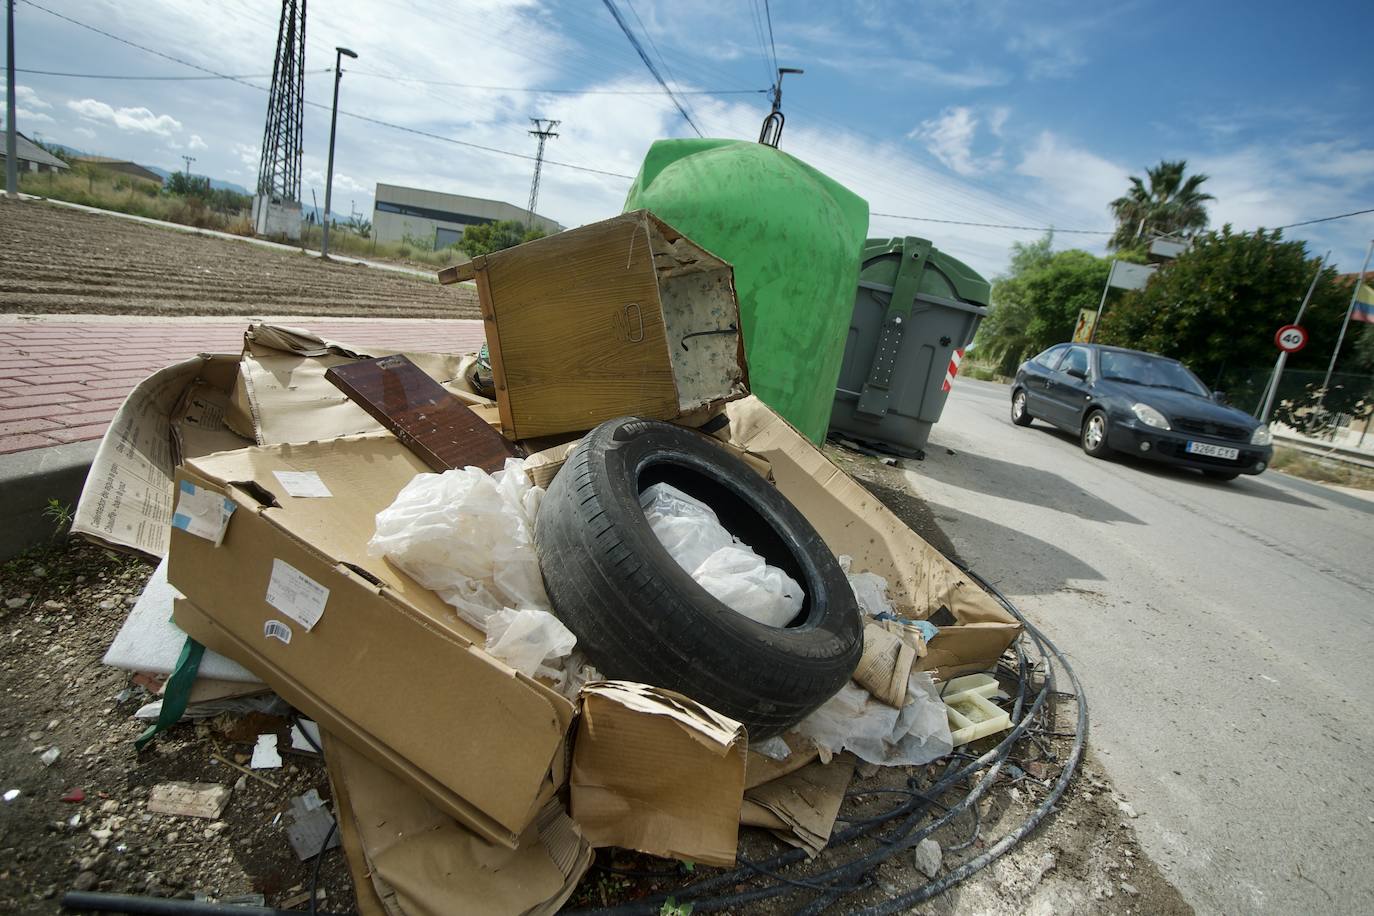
(915, 311)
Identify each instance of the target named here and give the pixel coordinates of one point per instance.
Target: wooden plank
(433, 423)
(190, 799)
(457, 273)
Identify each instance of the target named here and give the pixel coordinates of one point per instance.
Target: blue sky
(985, 112)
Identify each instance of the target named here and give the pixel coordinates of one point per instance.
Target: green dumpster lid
(943, 276)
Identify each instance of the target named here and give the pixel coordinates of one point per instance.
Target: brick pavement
(63, 377)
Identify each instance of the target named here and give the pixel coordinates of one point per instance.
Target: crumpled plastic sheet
(726, 567)
(870, 589)
(853, 720)
(469, 536)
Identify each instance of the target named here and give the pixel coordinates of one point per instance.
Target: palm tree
(1170, 205)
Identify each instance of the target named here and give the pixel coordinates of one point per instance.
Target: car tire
(1093, 435)
(1221, 475)
(640, 616)
(1020, 413)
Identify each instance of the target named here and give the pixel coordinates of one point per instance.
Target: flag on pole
(1363, 309)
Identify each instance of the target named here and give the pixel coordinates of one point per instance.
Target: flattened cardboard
(655, 771)
(486, 743)
(176, 412)
(281, 394)
(415, 860)
(852, 521)
(800, 808)
(621, 317)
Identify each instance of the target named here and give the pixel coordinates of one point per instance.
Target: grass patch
(1322, 470)
(982, 373)
(105, 190)
(411, 252)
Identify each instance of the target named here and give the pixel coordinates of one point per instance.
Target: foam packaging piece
(150, 641)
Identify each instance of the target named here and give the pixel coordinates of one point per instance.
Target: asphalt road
(1222, 631)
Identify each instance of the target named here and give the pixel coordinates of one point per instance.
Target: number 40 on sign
(1290, 338)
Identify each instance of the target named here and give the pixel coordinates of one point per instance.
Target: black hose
(130, 903)
(844, 878)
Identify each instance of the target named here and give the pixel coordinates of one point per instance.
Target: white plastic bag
(853, 720)
(728, 569)
(469, 536)
(870, 589)
(524, 639)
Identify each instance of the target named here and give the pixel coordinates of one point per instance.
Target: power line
(957, 222)
(134, 44)
(654, 45)
(407, 79)
(358, 117)
(648, 62)
(1327, 219)
(772, 47)
(125, 76)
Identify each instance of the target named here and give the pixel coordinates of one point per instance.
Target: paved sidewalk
(62, 377)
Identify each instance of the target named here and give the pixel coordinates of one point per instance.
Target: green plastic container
(794, 237)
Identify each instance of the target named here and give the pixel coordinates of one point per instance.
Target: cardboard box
(655, 771)
(621, 317)
(408, 857)
(384, 664)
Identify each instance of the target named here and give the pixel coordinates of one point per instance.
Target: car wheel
(1019, 414)
(1221, 475)
(1093, 436)
(640, 616)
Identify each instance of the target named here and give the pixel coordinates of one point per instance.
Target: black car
(1140, 403)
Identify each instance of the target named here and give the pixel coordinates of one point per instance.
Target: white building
(440, 218)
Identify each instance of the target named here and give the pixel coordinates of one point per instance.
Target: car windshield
(1154, 371)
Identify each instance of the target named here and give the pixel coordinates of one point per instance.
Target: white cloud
(195, 142)
(25, 96)
(84, 132)
(24, 115)
(134, 119)
(949, 138)
(1076, 182)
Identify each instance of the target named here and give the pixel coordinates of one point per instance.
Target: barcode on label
(277, 630)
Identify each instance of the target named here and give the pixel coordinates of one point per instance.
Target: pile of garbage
(528, 610)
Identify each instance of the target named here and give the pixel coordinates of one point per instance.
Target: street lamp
(333, 123)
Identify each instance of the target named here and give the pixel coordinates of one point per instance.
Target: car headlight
(1261, 436)
(1149, 416)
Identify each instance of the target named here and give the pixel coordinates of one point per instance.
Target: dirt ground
(60, 608)
(60, 260)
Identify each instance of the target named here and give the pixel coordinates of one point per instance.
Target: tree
(1216, 308)
(488, 237)
(1170, 205)
(1037, 303)
(184, 185)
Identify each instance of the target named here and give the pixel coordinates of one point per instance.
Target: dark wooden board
(434, 424)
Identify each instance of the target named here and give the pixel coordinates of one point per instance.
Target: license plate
(1213, 451)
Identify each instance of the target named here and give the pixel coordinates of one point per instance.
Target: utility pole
(771, 132)
(543, 129)
(333, 124)
(188, 160)
(1331, 367)
(11, 143)
(1273, 391)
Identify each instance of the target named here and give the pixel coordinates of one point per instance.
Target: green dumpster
(794, 237)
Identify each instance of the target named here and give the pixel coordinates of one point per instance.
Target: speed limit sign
(1290, 338)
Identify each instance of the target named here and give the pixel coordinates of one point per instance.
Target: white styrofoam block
(150, 641)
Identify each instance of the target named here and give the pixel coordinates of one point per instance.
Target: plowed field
(60, 260)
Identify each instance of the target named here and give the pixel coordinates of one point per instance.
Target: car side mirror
(1077, 373)
(1220, 397)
